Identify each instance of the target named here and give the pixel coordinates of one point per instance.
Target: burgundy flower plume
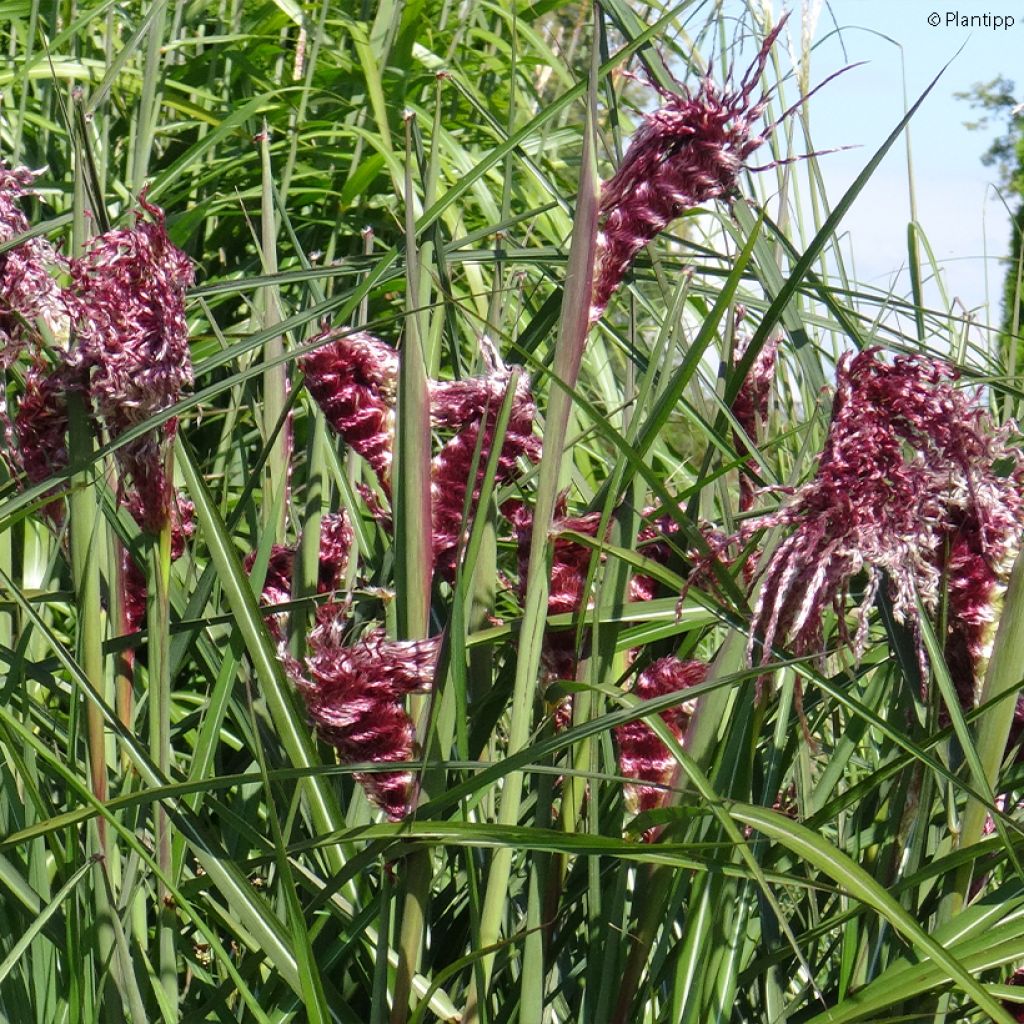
(29, 293)
(30, 300)
(353, 378)
(335, 547)
(356, 694)
(128, 293)
(906, 487)
(691, 150)
(643, 757)
(472, 406)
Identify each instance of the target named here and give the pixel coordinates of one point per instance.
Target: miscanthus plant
(470, 549)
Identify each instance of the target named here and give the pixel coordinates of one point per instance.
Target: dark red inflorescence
(689, 151)
(642, 755)
(128, 301)
(29, 293)
(472, 406)
(906, 486)
(355, 695)
(183, 515)
(353, 377)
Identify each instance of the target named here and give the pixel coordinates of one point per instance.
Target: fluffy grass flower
(643, 757)
(355, 695)
(906, 487)
(687, 152)
(354, 377)
(128, 295)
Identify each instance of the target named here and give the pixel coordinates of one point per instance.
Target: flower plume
(128, 296)
(906, 487)
(353, 378)
(643, 757)
(689, 151)
(355, 696)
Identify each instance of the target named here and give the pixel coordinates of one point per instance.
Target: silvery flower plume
(129, 297)
(353, 377)
(643, 757)
(906, 488)
(687, 152)
(355, 694)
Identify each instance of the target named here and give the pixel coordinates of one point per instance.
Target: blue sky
(965, 223)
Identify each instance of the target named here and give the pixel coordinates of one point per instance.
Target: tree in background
(998, 103)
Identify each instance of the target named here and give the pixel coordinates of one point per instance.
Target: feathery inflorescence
(353, 378)
(355, 695)
(687, 152)
(907, 486)
(643, 757)
(128, 300)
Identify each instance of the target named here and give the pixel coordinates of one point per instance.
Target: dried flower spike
(691, 150)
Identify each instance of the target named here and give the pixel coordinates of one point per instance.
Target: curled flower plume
(643, 757)
(750, 406)
(905, 487)
(128, 295)
(355, 696)
(689, 151)
(335, 546)
(353, 378)
(472, 406)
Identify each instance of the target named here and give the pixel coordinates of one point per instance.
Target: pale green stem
(160, 749)
(568, 355)
(275, 378)
(414, 563)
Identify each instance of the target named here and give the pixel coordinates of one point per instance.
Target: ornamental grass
(466, 555)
